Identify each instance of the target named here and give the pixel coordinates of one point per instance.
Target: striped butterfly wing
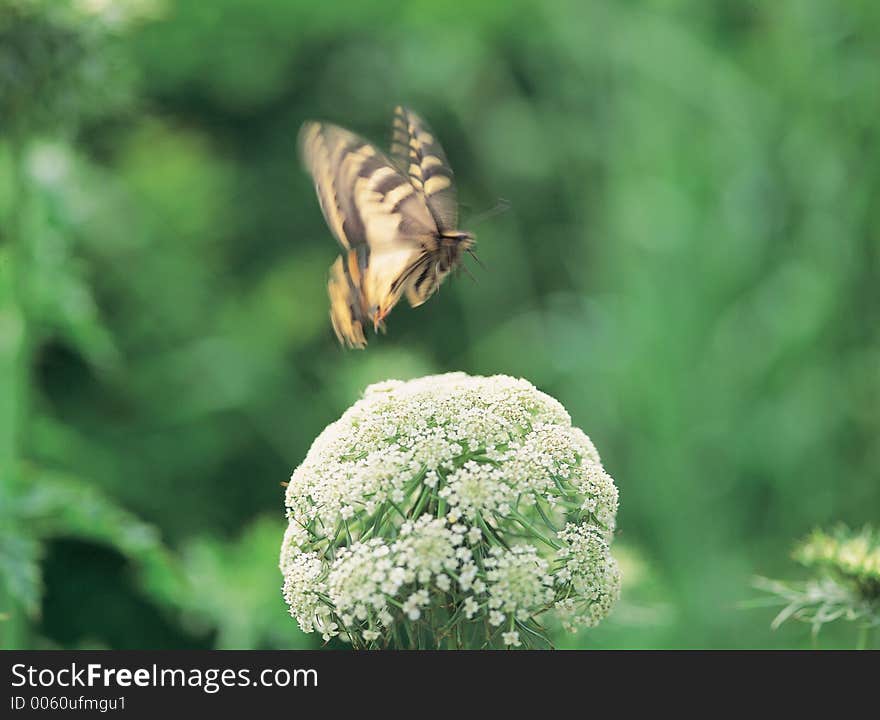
(377, 216)
(416, 150)
(347, 312)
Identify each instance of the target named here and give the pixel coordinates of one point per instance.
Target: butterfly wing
(416, 150)
(346, 309)
(376, 214)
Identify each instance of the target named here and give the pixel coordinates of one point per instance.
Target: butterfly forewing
(416, 150)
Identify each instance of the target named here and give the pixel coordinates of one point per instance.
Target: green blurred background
(690, 264)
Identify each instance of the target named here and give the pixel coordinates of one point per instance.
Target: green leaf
(57, 505)
(20, 570)
(59, 292)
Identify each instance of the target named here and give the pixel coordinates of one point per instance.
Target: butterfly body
(395, 218)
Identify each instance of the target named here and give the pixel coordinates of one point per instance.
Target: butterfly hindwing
(416, 150)
(346, 308)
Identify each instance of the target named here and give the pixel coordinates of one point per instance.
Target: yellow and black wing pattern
(416, 150)
(390, 220)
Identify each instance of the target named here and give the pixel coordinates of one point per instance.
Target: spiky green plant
(845, 585)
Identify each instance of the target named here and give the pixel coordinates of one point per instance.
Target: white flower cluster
(449, 509)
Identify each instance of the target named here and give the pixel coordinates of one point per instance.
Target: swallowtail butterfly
(394, 216)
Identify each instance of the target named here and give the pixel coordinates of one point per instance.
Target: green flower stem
(397, 508)
(532, 529)
(491, 533)
(535, 631)
(422, 501)
(451, 623)
(544, 517)
(375, 525)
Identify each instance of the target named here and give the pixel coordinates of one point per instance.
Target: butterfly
(394, 216)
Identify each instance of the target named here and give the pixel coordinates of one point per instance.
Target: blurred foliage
(845, 583)
(690, 265)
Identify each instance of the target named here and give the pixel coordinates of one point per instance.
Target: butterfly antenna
(474, 256)
(501, 206)
(467, 272)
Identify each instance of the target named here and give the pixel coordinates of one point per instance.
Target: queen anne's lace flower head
(449, 510)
